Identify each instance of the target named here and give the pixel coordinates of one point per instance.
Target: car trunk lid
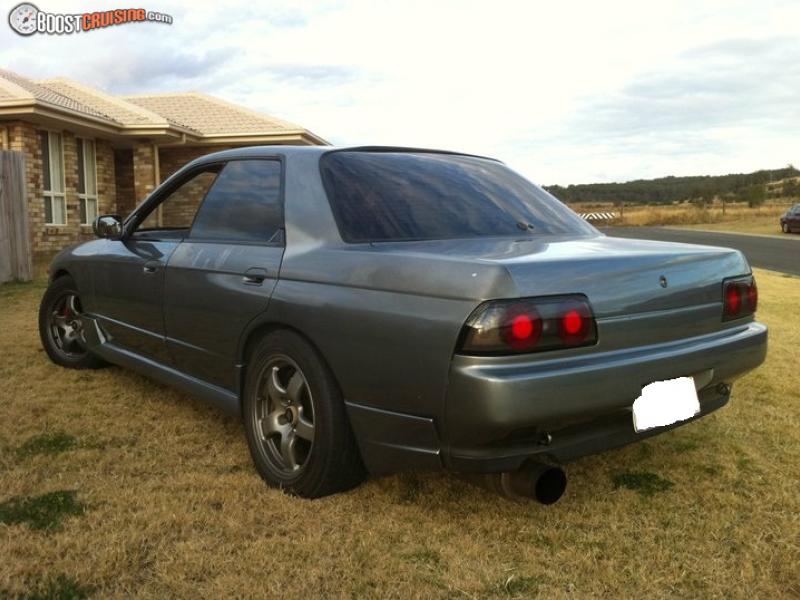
(626, 276)
(641, 292)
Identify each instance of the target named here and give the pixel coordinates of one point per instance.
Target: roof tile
(202, 115)
(51, 96)
(117, 109)
(210, 115)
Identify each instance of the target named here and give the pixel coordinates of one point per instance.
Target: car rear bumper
(573, 441)
(499, 413)
(503, 412)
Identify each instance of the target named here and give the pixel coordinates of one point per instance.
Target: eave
(58, 117)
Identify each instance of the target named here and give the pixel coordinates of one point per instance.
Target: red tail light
(739, 297)
(524, 332)
(752, 296)
(733, 300)
(529, 325)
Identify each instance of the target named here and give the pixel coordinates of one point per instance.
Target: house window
(55, 204)
(87, 181)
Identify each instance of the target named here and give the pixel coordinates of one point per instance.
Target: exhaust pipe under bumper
(534, 481)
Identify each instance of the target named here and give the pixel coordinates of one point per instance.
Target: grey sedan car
(379, 309)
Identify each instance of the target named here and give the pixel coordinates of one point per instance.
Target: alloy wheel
(284, 416)
(66, 327)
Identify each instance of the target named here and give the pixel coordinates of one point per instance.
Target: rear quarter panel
(386, 326)
(387, 350)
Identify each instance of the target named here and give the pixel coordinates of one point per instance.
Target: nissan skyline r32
(380, 309)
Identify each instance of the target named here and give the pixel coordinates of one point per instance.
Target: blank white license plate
(664, 403)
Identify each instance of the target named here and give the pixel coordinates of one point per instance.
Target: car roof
(288, 151)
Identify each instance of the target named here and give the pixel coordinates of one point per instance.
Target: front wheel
(295, 420)
(784, 228)
(61, 326)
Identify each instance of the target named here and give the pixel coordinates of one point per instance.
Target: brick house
(89, 153)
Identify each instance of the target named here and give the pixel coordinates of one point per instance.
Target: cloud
(313, 75)
(161, 71)
(615, 90)
(729, 83)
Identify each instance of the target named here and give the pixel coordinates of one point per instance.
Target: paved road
(763, 252)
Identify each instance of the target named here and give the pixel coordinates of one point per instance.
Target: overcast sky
(565, 92)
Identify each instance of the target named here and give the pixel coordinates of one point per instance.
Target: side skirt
(223, 399)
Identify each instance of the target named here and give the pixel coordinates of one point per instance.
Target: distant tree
(791, 189)
(700, 189)
(700, 200)
(754, 195)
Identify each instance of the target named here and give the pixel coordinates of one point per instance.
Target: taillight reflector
(733, 301)
(524, 331)
(572, 322)
(739, 297)
(752, 296)
(529, 325)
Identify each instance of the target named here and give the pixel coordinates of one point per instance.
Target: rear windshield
(391, 196)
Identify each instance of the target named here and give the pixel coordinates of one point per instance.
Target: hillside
(748, 187)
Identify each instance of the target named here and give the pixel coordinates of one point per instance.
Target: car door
(128, 277)
(222, 274)
(794, 218)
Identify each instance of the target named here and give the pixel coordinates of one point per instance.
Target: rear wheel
(295, 420)
(61, 326)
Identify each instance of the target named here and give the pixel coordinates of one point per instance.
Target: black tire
(65, 349)
(329, 461)
(784, 228)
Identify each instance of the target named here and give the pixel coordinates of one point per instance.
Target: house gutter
(30, 107)
(180, 142)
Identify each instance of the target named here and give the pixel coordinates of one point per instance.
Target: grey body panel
(386, 318)
(128, 286)
(213, 291)
(221, 398)
(555, 391)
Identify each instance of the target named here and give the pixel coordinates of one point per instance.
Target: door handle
(151, 266)
(254, 276)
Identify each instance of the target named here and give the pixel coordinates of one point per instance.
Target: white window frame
(49, 195)
(85, 197)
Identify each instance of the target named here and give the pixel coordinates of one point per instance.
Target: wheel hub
(284, 415)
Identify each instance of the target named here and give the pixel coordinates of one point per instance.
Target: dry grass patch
(687, 214)
(738, 218)
(175, 509)
(756, 225)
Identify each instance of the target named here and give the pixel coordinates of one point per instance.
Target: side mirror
(108, 226)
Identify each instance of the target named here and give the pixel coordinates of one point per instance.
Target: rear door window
(244, 204)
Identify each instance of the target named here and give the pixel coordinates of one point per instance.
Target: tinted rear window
(390, 196)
